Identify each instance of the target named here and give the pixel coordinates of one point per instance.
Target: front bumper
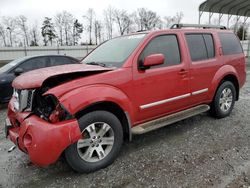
(42, 141)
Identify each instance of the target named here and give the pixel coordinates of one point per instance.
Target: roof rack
(179, 26)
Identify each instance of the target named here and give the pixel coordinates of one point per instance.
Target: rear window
(230, 44)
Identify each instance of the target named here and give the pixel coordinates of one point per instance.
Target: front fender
(219, 75)
(82, 97)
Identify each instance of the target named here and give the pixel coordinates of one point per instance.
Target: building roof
(231, 7)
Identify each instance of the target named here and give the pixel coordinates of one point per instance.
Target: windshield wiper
(96, 63)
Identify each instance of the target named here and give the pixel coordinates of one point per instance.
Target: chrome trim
(16, 100)
(21, 99)
(200, 91)
(164, 101)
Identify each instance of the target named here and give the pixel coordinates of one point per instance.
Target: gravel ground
(197, 152)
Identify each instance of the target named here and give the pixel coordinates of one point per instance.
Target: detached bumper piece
(42, 141)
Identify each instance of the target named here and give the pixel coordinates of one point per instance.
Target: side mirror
(18, 71)
(153, 60)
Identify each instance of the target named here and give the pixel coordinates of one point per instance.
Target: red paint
(35, 78)
(44, 142)
(155, 59)
(128, 87)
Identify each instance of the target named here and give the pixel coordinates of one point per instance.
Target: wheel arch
(225, 73)
(113, 108)
(232, 78)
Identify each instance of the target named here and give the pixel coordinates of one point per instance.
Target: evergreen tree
(77, 30)
(48, 31)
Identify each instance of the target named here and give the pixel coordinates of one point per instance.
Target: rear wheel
(224, 100)
(100, 144)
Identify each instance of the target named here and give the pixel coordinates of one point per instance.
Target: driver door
(161, 89)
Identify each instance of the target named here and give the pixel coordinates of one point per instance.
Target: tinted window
(230, 44)
(166, 45)
(201, 46)
(34, 63)
(60, 61)
(209, 45)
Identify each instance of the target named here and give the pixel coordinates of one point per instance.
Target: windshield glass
(114, 52)
(11, 64)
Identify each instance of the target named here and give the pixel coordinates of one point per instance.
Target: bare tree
(64, 24)
(34, 36)
(3, 34)
(90, 19)
(22, 23)
(10, 25)
(123, 20)
(170, 20)
(68, 24)
(147, 19)
(109, 21)
(97, 31)
(59, 20)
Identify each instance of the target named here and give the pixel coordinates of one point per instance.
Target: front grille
(29, 99)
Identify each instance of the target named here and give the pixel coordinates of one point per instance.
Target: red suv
(128, 85)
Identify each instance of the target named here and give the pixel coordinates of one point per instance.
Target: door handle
(183, 72)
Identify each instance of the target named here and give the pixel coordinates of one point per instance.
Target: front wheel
(102, 138)
(224, 100)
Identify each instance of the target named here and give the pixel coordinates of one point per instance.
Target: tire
(224, 100)
(100, 129)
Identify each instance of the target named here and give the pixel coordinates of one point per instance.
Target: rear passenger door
(204, 63)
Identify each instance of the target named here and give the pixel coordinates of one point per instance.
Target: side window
(34, 63)
(56, 60)
(201, 46)
(166, 45)
(230, 44)
(209, 45)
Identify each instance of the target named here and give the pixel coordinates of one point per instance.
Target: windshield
(114, 52)
(11, 64)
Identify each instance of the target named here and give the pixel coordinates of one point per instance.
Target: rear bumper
(42, 141)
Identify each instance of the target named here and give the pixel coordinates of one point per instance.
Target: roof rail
(179, 26)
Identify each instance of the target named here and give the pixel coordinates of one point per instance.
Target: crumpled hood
(35, 78)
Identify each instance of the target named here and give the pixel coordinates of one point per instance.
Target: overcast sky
(37, 9)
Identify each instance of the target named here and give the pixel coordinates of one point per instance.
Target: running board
(164, 121)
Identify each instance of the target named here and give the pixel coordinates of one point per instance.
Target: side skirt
(167, 120)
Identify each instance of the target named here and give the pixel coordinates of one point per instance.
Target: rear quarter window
(230, 44)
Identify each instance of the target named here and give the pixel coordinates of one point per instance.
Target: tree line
(65, 29)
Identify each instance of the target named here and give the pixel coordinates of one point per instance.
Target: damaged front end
(40, 125)
(46, 107)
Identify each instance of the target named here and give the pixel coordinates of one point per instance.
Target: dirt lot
(197, 152)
